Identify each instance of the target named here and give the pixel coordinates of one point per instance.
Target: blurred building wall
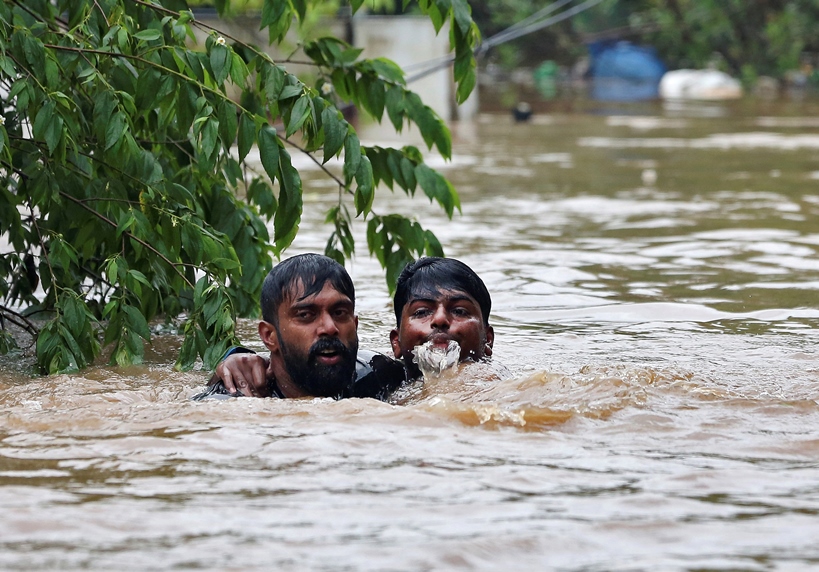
(410, 41)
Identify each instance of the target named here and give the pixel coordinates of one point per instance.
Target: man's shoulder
(376, 375)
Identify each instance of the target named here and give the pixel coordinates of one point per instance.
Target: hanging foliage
(126, 195)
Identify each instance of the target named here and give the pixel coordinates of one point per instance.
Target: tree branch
(19, 320)
(129, 235)
(317, 162)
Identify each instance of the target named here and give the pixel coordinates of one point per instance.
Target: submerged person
(310, 327)
(437, 301)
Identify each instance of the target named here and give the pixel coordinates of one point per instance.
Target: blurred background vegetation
(746, 38)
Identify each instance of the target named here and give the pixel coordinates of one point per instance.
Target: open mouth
(328, 356)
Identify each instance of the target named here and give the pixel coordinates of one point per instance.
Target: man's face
(317, 340)
(440, 317)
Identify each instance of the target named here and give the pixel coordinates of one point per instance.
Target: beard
(317, 379)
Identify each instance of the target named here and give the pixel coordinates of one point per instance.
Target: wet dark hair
(313, 271)
(433, 274)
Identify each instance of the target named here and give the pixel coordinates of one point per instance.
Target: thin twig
(316, 161)
(104, 17)
(43, 248)
(19, 320)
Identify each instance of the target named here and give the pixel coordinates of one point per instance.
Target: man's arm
(243, 371)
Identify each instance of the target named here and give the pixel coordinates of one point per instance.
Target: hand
(244, 372)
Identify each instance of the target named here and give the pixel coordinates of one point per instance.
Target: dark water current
(654, 275)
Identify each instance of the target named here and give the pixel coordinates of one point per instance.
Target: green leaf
(288, 214)
(424, 118)
(375, 238)
(274, 77)
(147, 88)
(463, 15)
(187, 354)
(436, 16)
(352, 155)
(381, 171)
(71, 358)
(225, 263)
(199, 291)
(437, 188)
(364, 193)
(51, 72)
(394, 103)
(228, 123)
(269, 151)
(185, 106)
(388, 70)
(289, 91)
(214, 353)
(394, 166)
(433, 245)
(376, 98)
(262, 195)
(301, 8)
(238, 70)
(54, 132)
(276, 15)
(35, 54)
(7, 66)
(220, 62)
(139, 277)
(335, 129)
(210, 133)
(48, 126)
(408, 174)
(136, 321)
(111, 270)
(181, 193)
(148, 35)
(126, 220)
(466, 85)
(299, 114)
(7, 342)
(74, 316)
(247, 135)
(344, 82)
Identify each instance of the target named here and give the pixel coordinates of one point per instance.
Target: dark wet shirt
(376, 376)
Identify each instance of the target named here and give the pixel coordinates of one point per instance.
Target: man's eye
(460, 312)
(304, 315)
(342, 313)
(420, 313)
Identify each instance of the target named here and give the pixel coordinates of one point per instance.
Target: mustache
(328, 344)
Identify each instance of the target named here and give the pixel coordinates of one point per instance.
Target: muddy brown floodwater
(654, 275)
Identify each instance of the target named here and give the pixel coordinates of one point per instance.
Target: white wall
(410, 41)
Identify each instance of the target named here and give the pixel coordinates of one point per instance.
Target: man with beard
(310, 327)
(437, 300)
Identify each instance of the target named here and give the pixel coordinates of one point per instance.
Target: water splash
(433, 360)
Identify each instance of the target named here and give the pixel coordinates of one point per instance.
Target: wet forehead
(295, 294)
(440, 296)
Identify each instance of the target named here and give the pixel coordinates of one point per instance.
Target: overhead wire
(526, 26)
(500, 37)
(520, 31)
